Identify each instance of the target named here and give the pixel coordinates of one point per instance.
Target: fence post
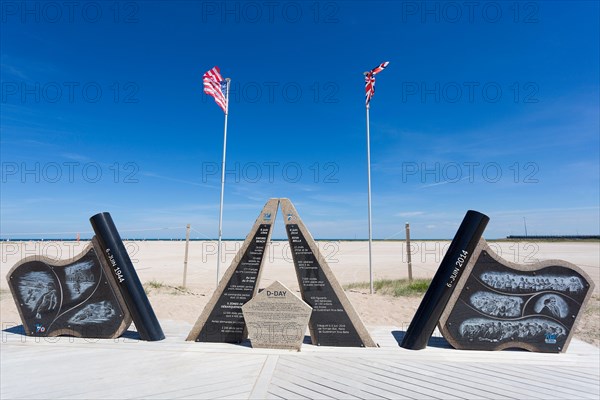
(185, 260)
(410, 278)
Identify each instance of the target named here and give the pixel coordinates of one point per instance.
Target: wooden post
(185, 260)
(408, 252)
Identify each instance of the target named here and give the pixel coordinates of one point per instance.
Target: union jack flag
(216, 86)
(370, 80)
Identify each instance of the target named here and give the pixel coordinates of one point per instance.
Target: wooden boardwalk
(127, 368)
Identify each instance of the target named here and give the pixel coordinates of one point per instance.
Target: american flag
(370, 80)
(215, 86)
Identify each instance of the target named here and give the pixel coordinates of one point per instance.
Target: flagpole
(369, 201)
(370, 90)
(222, 180)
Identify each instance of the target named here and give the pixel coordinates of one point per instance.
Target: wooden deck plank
(148, 382)
(115, 365)
(434, 375)
(355, 387)
(296, 371)
(409, 387)
(427, 375)
(204, 385)
(584, 374)
(362, 388)
(323, 389)
(284, 392)
(495, 376)
(238, 396)
(366, 379)
(580, 375)
(298, 388)
(173, 368)
(547, 382)
(217, 391)
(272, 396)
(261, 387)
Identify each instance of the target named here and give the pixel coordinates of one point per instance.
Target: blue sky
(492, 107)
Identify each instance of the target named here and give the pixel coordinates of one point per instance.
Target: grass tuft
(155, 284)
(148, 286)
(395, 287)
(163, 287)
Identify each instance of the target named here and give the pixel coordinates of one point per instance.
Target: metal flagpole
(228, 80)
(369, 200)
(370, 90)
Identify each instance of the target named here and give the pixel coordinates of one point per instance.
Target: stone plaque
(499, 304)
(222, 319)
(94, 295)
(73, 297)
(333, 322)
(276, 318)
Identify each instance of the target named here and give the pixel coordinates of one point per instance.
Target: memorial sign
(482, 302)
(333, 322)
(498, 304)
(73, 297)
(96, 294)
(276, 318)
(222, 319)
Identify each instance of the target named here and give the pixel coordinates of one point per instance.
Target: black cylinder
(443, 283)
(128, 283)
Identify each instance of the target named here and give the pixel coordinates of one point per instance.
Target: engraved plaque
(499, 304)
(94, 295)
(276, 318)
(74, 297)
(222, 319)
(333, 322)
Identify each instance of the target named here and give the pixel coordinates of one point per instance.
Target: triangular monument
(333, 322)
(222, 319)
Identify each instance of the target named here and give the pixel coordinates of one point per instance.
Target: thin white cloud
(76, 157)
(543, 210)
(443, 183)
(176, 180)
(410, 214)
(13, 71)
